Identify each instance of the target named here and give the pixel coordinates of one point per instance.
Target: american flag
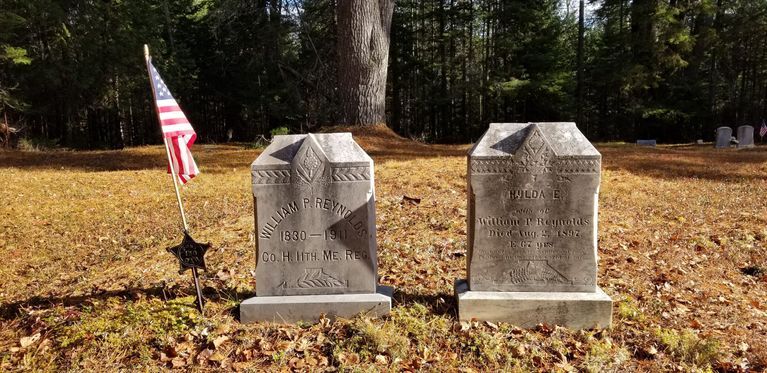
(176, 129)
(763, 130)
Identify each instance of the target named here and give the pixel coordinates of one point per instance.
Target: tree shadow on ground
(211, 159)
(13, 310)
(441, 304)
(687, 162)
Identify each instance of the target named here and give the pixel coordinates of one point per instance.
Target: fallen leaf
(652, 351)
(178, 362)
(410, 200)
(296, 363)
(223, 275)
(219, 341)
(204, 355)
(28, 341)
(743, 346)
(216, 357)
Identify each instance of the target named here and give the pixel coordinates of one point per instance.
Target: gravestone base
(528, 309)
(295, 308)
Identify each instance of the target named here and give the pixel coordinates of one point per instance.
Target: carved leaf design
(311, 161)
(535, 272)
(317, 278)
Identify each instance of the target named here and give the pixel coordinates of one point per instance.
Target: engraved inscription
(326, 255)
(337, 208)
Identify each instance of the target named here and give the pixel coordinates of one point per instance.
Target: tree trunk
(363, 56)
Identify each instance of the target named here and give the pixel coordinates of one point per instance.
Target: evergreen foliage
(72, 71)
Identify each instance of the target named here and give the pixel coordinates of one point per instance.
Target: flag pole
(174, 177)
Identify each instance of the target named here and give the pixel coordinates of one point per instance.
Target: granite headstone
(315, 231)
(532, 228)
(745, 137)
(723, 136)
(651, 143)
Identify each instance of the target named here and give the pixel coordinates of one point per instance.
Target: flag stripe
(176, 121)
(165, 109)
(176, 129)
(181, 126)
(172, 115)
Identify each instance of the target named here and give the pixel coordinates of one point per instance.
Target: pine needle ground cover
(86, 283)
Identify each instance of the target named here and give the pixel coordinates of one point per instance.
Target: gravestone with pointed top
(723, 136)
(532, 228)
(315, 231)
(745, 137)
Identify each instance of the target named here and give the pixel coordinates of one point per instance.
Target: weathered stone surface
(315, 217)
(532, 220)
(723, 136)
(291, 309)
(651, 143)
(528, 309)
(745, 137)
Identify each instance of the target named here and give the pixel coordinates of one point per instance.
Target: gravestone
(723, 136)
(651, 143)
(745, 137)
(315, 231)
(532, 228)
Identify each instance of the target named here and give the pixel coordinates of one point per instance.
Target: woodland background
(72, 71)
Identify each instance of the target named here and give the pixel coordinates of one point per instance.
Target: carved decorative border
(493, 166)
(509, 166)
(578, 166)
(359, 173)
(339, 175)
(271, 176)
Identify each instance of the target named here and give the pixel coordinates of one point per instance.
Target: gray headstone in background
(723, 135)
(652, 143)
(532, 227)
(315, 229)
(745, 137)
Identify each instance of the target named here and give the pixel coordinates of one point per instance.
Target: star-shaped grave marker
(190, 254)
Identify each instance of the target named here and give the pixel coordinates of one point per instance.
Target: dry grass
(84, 272)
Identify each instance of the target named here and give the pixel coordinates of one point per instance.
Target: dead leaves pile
(681, 241)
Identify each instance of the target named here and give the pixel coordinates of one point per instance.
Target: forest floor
(86, 283)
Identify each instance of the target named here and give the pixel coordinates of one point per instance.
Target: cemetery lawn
(86, 283)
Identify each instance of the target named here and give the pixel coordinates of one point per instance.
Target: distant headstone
(315, 231)
(532, 253)
(745, 137)
(651, 143)
(699, 142)
(723, 135)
